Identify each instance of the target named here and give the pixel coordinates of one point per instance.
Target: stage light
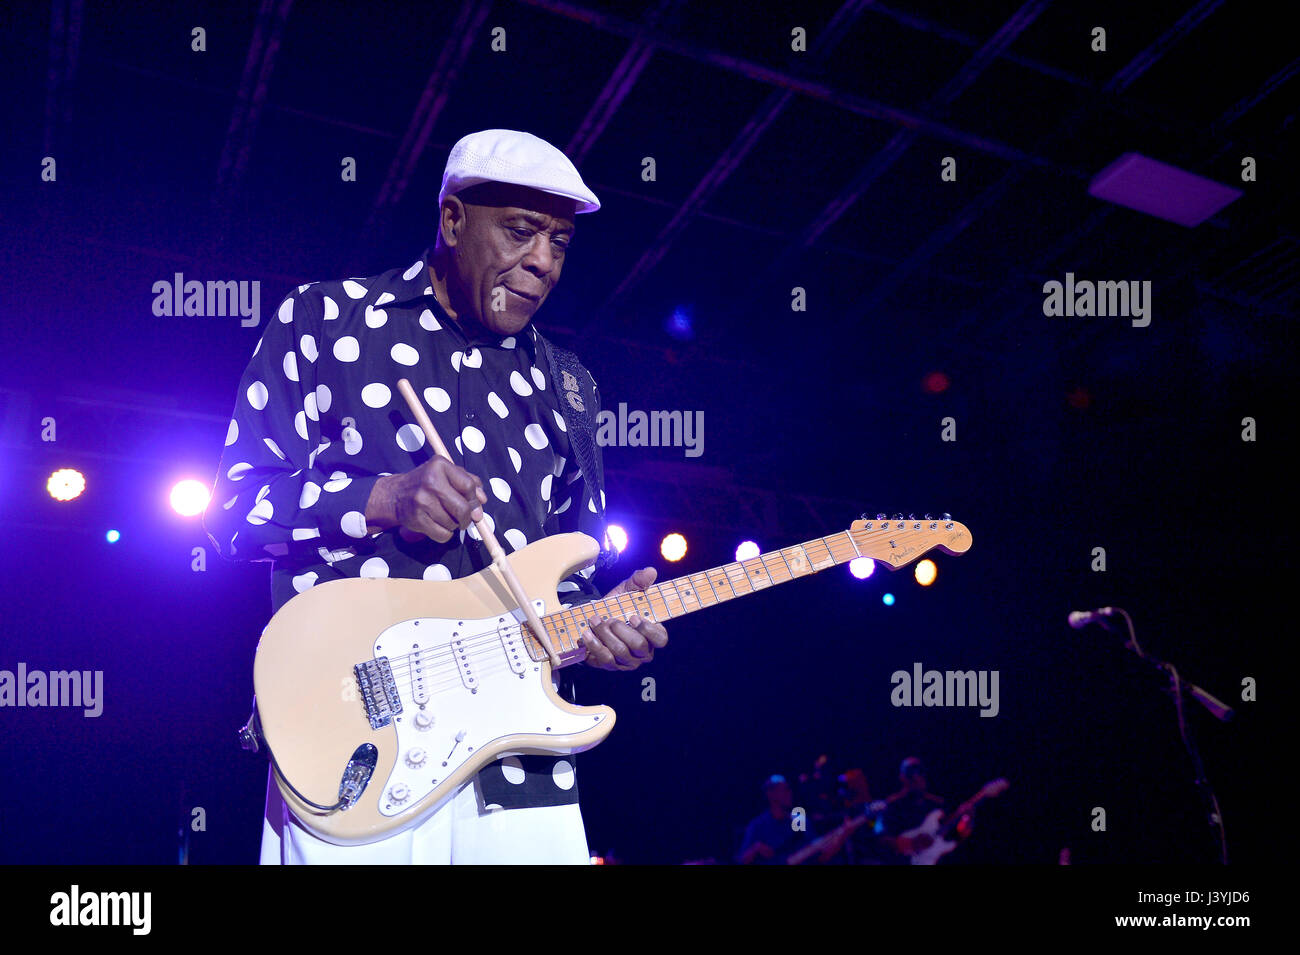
(190, 497)
(679, 325)
(747, 550)
(862, 567)
(112, 537)
(936, 383)
(887, 600)
(673, 547)
(617, 537)
(926, 572)
(65, 484)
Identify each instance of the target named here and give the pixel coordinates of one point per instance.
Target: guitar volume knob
(423, 721)
(416, 757)
(399, 793)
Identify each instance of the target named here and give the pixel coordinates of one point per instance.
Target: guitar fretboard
(669, 599)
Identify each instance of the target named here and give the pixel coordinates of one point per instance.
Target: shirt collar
(527, 338)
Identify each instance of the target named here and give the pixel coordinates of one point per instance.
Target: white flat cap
(507, 155)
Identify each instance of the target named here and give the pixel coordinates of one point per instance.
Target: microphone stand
(1177, 688)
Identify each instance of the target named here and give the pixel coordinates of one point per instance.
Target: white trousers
(462, 832)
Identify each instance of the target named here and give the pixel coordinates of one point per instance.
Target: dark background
(774, 170)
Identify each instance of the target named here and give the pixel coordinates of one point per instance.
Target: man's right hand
(434, 500)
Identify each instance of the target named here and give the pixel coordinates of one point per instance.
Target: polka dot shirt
(318, 420)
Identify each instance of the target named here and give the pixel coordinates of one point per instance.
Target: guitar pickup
(378, 691)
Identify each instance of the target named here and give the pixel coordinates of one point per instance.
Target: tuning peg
(911, 517)
(898, 516)
(880, 517)
(945, 516)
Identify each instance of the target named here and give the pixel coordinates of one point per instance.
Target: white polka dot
(307, 345)
(323, 398)
(508, 342)
(563, 774)
(374, 567)
(261, 512)
(376, 395)
(537, 377)
(559, 420)
(456, 441)
(257, 395)
(310, 494)
(291, 365)
(497, 405)
(413, 271)
(437, 399)
(500, 488)
(375, 317)
(591, 504)
(410, 437)
(237, 471)
(519, 385)
(306, 533)
(337, 482)
(474, 359)
(546, 487)
(232, 433)
(230, 503)
(311, 458)
(347, 349)
(331, 309)
(473, 438)
(304, 581)
(513, 770)
(354, 524)
(351, 440)
(428, 322)
(354, 289)
(535, 436)
(405, 355)
(456, 358)
(563, 507)
(515, 459)
(309, 406)
(300, 424)
(256, 348)
(516, 539)
(385, 298)
(472, 530)
(262, 492)
(275, 448)
(437, 572)
(286, 311)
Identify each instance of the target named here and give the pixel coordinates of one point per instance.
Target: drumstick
(498, 555)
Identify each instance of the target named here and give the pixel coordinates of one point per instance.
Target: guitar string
(484, 644)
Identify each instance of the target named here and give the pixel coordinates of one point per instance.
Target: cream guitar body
(379, 698)
(456, 664)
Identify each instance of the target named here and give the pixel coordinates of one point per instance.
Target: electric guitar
(378, 698)
(837, 836)
(929, 841)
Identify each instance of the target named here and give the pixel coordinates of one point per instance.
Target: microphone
(1079, 619)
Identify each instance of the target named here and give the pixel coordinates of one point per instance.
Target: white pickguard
(500, 693)
(937, 849)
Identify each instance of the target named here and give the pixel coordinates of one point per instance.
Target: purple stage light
(1161, 190)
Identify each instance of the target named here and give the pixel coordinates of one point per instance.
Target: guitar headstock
(898, 541)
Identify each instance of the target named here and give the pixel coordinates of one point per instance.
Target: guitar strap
(576, 389)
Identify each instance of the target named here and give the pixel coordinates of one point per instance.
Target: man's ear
(451, 220)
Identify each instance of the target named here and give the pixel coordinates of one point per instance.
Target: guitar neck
(675, 598)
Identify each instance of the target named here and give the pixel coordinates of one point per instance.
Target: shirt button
(471, 416)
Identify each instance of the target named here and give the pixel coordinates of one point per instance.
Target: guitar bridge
(378, 691)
